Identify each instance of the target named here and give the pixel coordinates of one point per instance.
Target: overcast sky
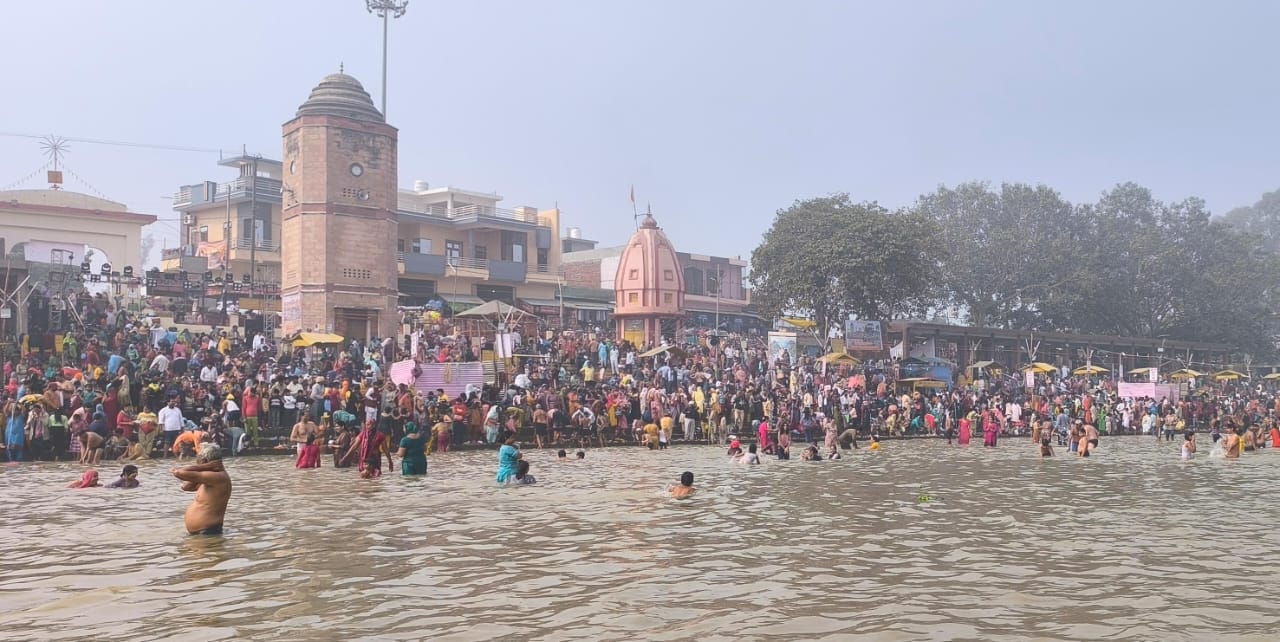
(720, 112)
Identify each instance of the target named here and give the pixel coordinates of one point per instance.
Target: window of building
(513, 246)
(633, 297)
(453, 249)
(693, 281)
(634, 274)
(668, 275)
(422, 246)
(543, 257)
(481, 252)
(400, 245)
(204, 233)
(667, 298)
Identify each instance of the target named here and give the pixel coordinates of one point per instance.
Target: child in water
(522, 473)
(128, 478)
(685, 488)
(811, 454)
(875, 443)
(1046, 447)
(1188, 445)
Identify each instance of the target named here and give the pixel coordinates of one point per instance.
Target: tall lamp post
(386, 9)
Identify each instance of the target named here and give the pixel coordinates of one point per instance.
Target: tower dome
(341, 95)
(648, 286)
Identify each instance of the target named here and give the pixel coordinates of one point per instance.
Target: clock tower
(338, 263)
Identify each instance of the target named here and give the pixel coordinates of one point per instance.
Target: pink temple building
(648, 288)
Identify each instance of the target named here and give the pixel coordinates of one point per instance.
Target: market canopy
(1040, 367)
(308, 339)
(1226, 375)
(1273, 376)
(492, 308)
(1185, 373)
(1089, 370)
(1140, 371)
(838, 358)
(981, 365)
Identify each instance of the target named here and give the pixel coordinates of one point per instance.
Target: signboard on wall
(780, 342)
(291, 308)
(863, 335)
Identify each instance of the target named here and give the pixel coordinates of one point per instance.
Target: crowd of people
(127, 388)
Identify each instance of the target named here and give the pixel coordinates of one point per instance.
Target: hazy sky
(720, 112)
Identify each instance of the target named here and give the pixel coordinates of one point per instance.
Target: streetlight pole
(386, 9)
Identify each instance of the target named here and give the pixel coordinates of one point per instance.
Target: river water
(1130, 544)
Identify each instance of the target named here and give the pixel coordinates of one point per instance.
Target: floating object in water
(924, 498)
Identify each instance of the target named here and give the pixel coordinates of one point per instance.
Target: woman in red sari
(368, 447)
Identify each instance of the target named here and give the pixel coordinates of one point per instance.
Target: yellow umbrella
(1273, 376)
(1185, 373)
(1140, 371)
(1228, 375)
(803, 324)
(1040, 367)
(1089, 370)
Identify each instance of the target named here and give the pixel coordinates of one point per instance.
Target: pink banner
(1148, 391)
(401, 372)
(452, 377)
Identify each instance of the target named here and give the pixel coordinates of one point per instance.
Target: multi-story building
(337, 185)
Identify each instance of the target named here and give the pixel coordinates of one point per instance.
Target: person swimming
(88, 480)
(1046, 446)
(875, 443)
(685, 488)
(750, 458)
(580, 455)
(128, 478)
(562, 455)
(811, 454)
(735, 446)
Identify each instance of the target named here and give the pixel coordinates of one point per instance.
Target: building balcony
(266, 190)
(477, 216)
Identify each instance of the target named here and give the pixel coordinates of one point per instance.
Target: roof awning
(461, 302)
(542, 303)
(576, 305)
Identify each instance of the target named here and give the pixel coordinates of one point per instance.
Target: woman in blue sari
(508, 455)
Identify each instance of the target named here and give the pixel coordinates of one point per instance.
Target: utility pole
(253, 225)
(226, 252)
(386, 9)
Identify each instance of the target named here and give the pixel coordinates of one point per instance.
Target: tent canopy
(1273, 376)
(1229, 374)
(1185, 373)
(675, 352)
(1040, 367)
(981, 365)
(493, 308)
(308, 339)
(1140, 371)
(838, 358)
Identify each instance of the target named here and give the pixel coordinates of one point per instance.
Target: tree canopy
(1021, 256)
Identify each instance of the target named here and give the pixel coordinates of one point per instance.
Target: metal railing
(263, 244)
(462, 262)
(266, 188)
(470, 211)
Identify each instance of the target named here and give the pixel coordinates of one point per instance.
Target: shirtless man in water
(212, 486)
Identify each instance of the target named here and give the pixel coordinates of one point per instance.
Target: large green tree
(830, 258)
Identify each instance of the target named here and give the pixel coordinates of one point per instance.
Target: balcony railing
(267, 189)
(264, 245)
(471, 211)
